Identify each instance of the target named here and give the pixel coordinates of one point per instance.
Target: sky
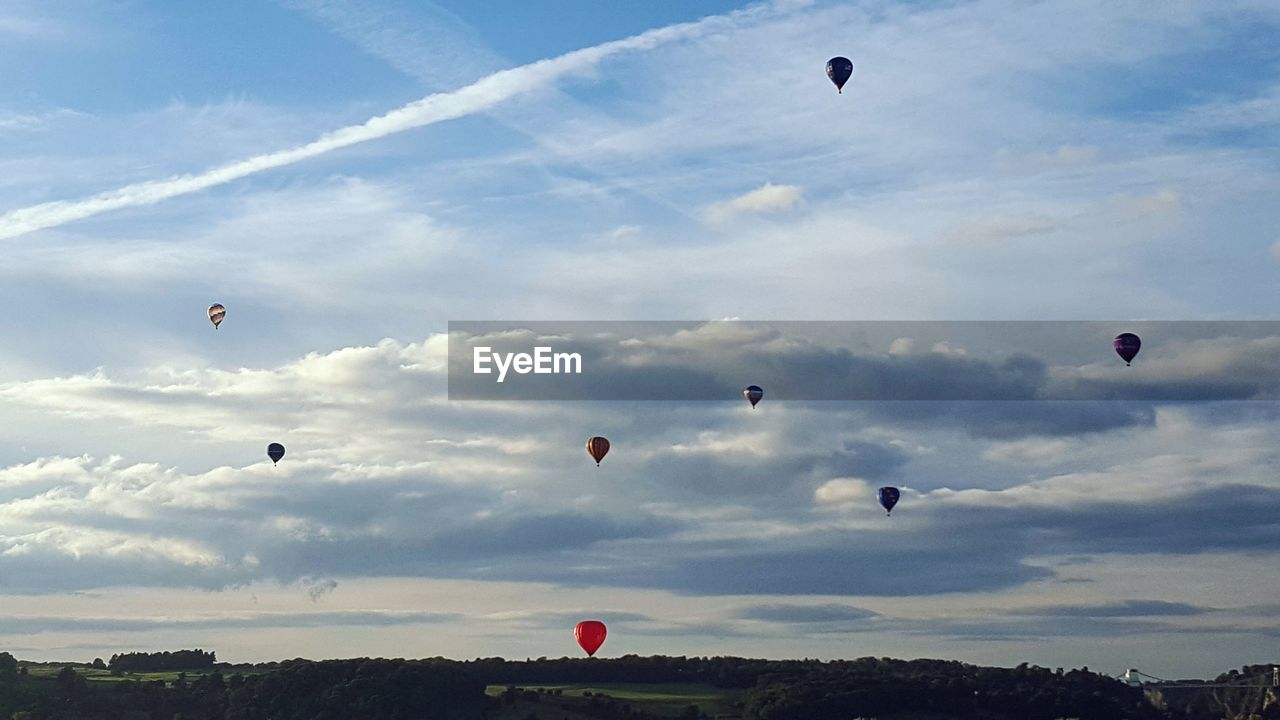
(349, 176)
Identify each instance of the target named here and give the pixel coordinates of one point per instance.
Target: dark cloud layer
(1125, 608)
(1011, 420)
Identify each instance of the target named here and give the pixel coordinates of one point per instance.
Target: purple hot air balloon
(753, 393)
(839, 69)
(888, 497)
(1127, 346)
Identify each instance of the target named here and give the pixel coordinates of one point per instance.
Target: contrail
(438, 107)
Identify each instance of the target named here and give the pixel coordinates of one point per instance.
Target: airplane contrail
(434, 108)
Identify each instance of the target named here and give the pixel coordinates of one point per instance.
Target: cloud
(320, 588)
(27, 27)
(1261, 110)
(768, 198)
(1064, 157)
(696, 499)
(1004, 227)
(1125, 608)
(1035, 451)
(439, 107)
(227, 621)
(805, 614)
(34, 122)
(427, 43)
(843, 491)
(1010, 420)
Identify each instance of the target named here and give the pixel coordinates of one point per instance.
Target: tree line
(162, 661)
(441, 689)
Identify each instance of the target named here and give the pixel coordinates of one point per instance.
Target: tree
(98, 664)
(70, 682)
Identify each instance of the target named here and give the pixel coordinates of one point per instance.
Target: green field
(664, 699)
(92, 675)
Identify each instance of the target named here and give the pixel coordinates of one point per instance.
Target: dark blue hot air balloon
(753, 393)
(1127, 346)
(839, 69)
(888, 498)
(275, 451)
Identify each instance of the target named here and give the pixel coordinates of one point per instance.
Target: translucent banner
(871, 360)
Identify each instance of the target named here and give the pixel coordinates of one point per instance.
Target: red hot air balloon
(753, 393)
(598, 447)
(1127, 346)
(216, 313)
(590, 635)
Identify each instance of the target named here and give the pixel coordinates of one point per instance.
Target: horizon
(348, 178)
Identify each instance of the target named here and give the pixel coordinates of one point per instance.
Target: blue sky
(670, 161)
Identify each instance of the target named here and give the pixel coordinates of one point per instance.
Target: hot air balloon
(888, 498)
(839, 69)
(598, 447)
(275, 451)
(216, 313)
(590, 635)
(753, 393)
(1127, 346)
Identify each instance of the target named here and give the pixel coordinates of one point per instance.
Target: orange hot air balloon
(216, 313)
(598, 447)
(590, 635)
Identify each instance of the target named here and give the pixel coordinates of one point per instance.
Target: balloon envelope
(275, 451)
(598, 447)
(216, 313)
(1127, 346)
(839, 69)
(888, 497)
(753, 393)
(590, 635)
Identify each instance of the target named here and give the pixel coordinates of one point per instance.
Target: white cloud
(843, 492)
(768, 198)
(1003, 227)
(1178, 459)
(1032, 451)
(481, 95)
(902, 346)
(948, 349)
(33, 122)
(1065, 157)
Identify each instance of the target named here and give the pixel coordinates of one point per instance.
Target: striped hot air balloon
(597, 448)
(216, 313)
